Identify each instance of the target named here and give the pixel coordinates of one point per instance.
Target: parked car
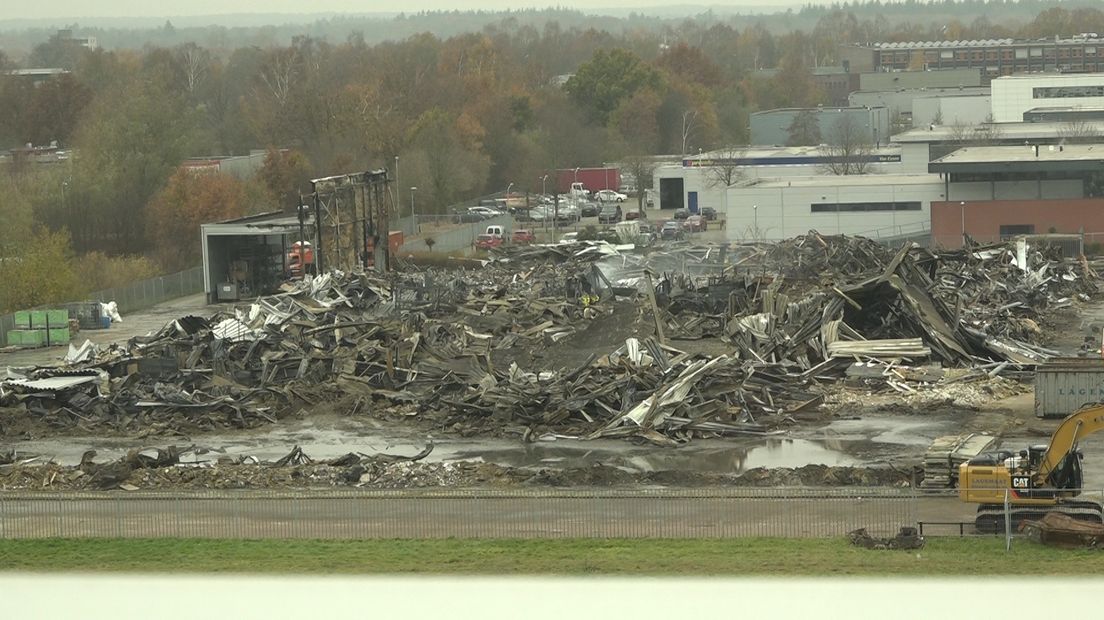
(633, 215)
(486, 212)
(695, 223)
(568, 213)
(682, 214)
(671, 230)
(467, 217)
(487, 242)
(570, 237)
(608, 195)
(589, 209)
(649, 198)
(522, 237)
(609, 214)
(709, 213)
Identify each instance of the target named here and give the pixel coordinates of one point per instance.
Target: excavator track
(990, 517)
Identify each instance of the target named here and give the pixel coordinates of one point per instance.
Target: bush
(97, 271)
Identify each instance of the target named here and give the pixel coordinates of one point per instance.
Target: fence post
(1007, 523)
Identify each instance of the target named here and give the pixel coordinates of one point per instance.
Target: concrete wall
(946, 78)
(1012, 96)
(1017, 190)
(966, 110)
(771, 127)
(781, 212)
(982, 220)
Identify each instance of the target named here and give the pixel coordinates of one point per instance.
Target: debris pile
(906, 538)
(1060, 530)
(198, 468)
(946, 454)
(579, 340)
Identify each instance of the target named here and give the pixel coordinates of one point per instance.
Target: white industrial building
(1014, 95)
(874, 205)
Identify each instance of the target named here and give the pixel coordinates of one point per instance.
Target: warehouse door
(671, 194)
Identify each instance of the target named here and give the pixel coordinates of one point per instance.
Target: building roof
(1005, 131)
(1023, 158)
(1048, 76)
(272, 222)
(37, 72)
(894, 45)
(930, 91)
(832, 180)
(836, 108)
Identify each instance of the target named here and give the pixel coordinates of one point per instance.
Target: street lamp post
(397, 186)
(962, 214)
(412, 215)
(755, 224)
(576, 176)
(544, 188)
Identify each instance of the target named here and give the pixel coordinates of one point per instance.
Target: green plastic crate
(27, 337)
(57, 318)
(38, 319)
(58, 336)
(23, 319)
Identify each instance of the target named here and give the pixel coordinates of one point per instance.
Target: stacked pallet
(945, 455)
(40, 328)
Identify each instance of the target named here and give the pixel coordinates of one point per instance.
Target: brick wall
(982, 220)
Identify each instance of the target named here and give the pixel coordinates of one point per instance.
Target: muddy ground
(856, 437)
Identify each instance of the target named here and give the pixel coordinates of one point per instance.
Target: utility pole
(412, 216)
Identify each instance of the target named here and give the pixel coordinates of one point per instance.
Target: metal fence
(364, 514)
(146, 293)
(132, 297)
(448, 235)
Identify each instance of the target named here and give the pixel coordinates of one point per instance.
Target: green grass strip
(756, 556)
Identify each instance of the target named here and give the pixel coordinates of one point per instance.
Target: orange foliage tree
(191, 198)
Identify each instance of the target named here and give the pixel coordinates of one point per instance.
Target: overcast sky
(53, 9)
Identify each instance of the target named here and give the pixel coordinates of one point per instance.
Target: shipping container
(1063, 385)
(593, 179)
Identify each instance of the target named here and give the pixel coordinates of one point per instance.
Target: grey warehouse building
(772, 127)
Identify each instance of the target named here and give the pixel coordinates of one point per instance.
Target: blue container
(105, 322)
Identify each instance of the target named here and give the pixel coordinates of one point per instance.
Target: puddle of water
(893, 430)
(708, 457)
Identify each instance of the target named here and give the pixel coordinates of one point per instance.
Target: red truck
(593, 179)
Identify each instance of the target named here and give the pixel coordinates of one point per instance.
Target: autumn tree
(445, 163)
(190, 199)
(804, 129)
(690, 64)
(286, 174)
(42, 274)
(607, 79)
(639, 168)
(129, 143)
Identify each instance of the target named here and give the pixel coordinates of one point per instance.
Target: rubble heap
(457, 350)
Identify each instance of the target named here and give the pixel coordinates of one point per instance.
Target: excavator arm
(1063, 442)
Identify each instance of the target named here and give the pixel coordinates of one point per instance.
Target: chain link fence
(130, 298)
(363, 514)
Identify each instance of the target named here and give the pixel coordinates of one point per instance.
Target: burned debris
(584, 340)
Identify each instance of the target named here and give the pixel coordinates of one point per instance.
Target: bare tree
(848, 150)
(804, 130)
(640, 169)
(196, 62)
(724, 170)
(1079, 131)
(688, 126)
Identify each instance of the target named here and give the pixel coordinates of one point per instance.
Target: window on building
(1021, 52)
(946, 54)
(1064, 92)
(833, 207)
(1036, 52)
(1090, 51)
(1008, 230)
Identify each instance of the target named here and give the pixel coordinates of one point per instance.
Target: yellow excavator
(1040, 479)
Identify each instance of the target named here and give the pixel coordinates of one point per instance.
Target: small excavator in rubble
(1039, 480)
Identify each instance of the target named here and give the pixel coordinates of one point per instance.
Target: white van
(497, 231)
